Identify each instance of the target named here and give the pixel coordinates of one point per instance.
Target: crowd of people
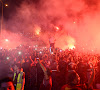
(43, 69)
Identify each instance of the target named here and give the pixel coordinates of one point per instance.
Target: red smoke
(80, 21)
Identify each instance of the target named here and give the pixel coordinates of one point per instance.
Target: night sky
(12, 6)
(78, 22)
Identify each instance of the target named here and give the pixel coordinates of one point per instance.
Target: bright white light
(19, 52)
(60, 50)
(57, 28)
(6, 5)
(6, 40)
(7, 58)
(0, 47)
(40, 52)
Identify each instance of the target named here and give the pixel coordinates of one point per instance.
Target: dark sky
(12, 6)
(79, 18)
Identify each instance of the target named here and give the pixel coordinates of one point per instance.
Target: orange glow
(6, 5)
(37, 30)
(74, 22)
(71, 42)
(71, 47)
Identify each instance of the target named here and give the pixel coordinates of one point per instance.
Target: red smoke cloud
(79, 20)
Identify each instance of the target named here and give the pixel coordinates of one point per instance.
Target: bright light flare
(60, 50)
(6, 40)
(6, 5)
(7, 58)
(71, 47)
(19, 52)
(1, 48)
(57, 28)
(37, 30)
(71, 43)
(40, 52)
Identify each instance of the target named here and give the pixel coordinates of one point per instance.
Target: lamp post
(1, 18)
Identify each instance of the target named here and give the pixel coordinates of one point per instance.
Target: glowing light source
(0, 47)
(57, 28)
(40, 52)
(6, 40)
(37, 30)
(71, 42)
(7, 58)
(71, 47)
(60, 50)
(19, 52)
(6, 5)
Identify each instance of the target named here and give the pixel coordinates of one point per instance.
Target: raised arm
(90, 82)
(44, 70)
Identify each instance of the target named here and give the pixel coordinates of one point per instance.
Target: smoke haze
(78, 22)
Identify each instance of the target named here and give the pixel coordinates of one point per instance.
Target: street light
(6, 5)
(1, 17)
